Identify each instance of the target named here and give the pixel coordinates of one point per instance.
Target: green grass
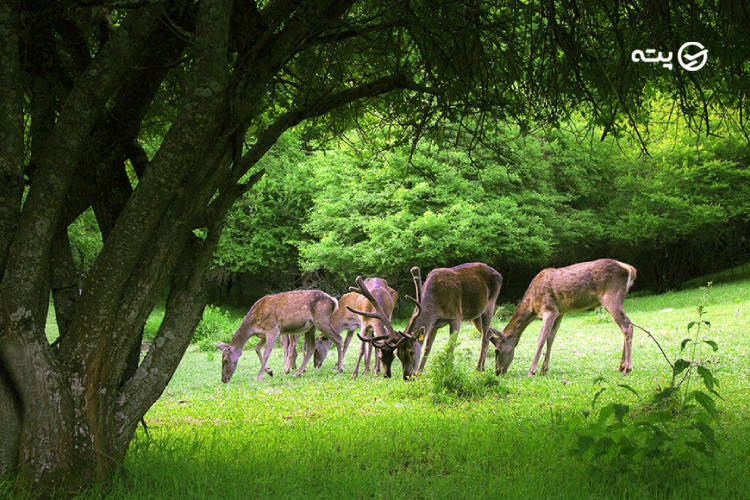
(324, 435)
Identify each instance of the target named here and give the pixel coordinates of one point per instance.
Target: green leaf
(701, 447)
(713, 344)
(659, 417)
(707, 431)
(585, 443)
(680, 366)
(627, 387)
(596, 396)
(686, 341)
(620, 411)
(706, 401)
(664, 395)
(605, 413)
(708, 377)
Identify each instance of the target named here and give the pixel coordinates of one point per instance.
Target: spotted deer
(556, 292)
(288, 313)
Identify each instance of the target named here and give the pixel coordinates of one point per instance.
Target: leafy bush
(450, 382)
(213, 327)
(660, 442)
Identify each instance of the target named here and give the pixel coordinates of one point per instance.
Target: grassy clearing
(326, 436)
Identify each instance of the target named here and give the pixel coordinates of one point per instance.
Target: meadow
(324, 435)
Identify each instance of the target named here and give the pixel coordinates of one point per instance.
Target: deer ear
(494, 340)
(223, 346)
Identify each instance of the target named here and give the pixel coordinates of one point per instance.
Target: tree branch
(319, 107)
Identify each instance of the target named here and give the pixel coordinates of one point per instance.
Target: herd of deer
(447, 297)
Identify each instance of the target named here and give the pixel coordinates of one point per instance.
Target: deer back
(579, 287)
(461, 292)
(292, 311)
(342, 318)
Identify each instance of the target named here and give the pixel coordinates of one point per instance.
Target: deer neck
(518, 323)
(242, 335)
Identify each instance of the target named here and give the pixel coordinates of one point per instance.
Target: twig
(657, 345)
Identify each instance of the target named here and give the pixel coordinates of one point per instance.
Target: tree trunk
(70, 408)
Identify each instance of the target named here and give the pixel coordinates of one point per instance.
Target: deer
(288, 313)
(556, 292)
(368, 326)
(447, 297)
(386, 298)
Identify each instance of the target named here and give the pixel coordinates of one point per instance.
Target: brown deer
(368, 326)
(371, 327)
(556, 292)
(288, 313)
(448, 296)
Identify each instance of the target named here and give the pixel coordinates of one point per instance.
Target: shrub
(450, 383)
(213, 327)
(662, 442)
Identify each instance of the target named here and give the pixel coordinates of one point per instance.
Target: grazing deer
(288, 313)
(555, 292)
(371, 327)
(448, 296)
(368, 326)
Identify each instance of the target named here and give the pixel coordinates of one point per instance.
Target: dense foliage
(519, 203)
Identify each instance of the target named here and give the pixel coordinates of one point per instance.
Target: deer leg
(626, 326)
(362, 351)
(376, 367)
(482, 325)
(548, 319)
(367, 349)
(368, 358)
(349, 335)
(429, 339)
(270, 341)
(324, 325)
(289, 343)
(261, 343)
(550, 339)
(309, 348)
(294, 340)
(455, 328)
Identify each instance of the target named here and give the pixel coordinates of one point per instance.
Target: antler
(380, 341)
(379, 312)
(417, 277)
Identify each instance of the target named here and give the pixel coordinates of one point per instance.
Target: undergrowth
(666, 440)
(451, 382)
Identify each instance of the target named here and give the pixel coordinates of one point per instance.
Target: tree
(215, 83)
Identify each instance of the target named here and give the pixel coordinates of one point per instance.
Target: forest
(520, 202)
(677, 209)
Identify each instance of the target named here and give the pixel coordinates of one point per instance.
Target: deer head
(404, 344)
(229, 358)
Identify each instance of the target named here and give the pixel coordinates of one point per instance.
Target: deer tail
(631, 273)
